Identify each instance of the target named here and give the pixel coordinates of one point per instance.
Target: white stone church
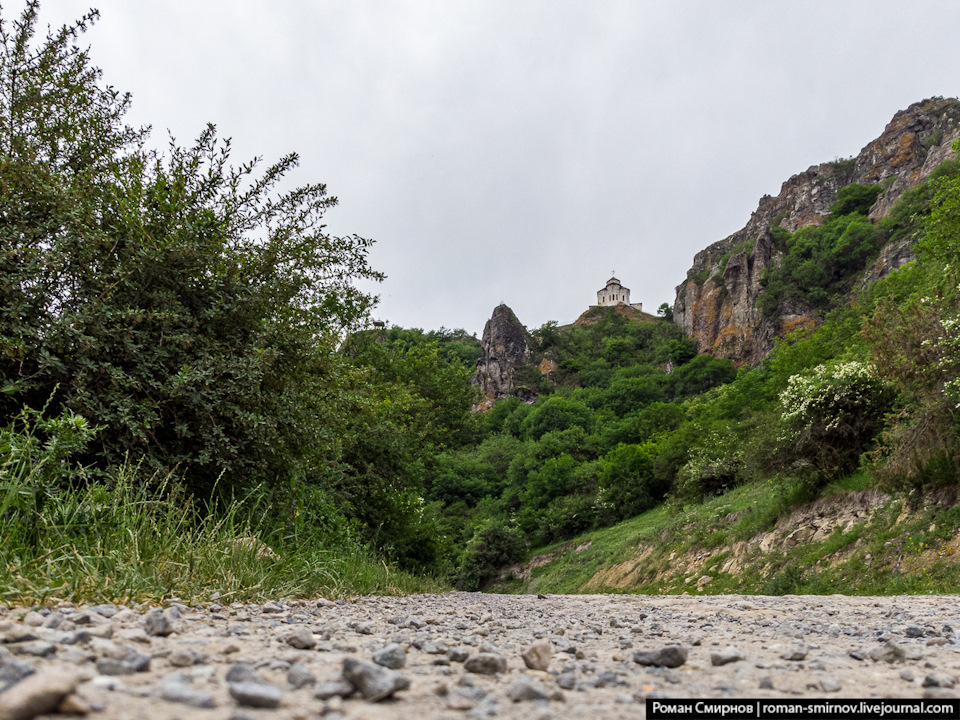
(615, 294)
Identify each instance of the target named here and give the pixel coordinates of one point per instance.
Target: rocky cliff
(716, 304)
(506, 346)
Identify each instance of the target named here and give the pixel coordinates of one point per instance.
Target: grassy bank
(139, 539)
(766, 538)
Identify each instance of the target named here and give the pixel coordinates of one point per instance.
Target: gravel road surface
(468, 655)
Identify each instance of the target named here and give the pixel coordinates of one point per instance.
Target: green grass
(667, 550)
(142, 540)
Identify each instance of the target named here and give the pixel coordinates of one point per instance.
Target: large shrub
(496, 544)
(714, 465)
(828, 419)
(565, 517)
(556, 413)
(186, 307)
(629, 482)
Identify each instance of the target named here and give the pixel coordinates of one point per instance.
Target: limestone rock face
(716, 304)
(506, 346)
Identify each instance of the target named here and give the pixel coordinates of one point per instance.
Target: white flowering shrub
(828, 419)
(949, 361)
(713, 467)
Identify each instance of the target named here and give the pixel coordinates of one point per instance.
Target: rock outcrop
(506, 346)
(716, 304)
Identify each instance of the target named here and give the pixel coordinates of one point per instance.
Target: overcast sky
(519, 151)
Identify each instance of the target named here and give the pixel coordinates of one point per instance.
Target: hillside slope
(716, 304)
(852, 541)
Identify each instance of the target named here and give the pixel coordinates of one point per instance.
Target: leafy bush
(461, 476)
(682, 350)
(713, 467)
(496, 544)
(35, 462)
(905, 220)
(554, 478)
(640, 426)
(629, 394)
(628, 482)
(942, 225)
(787, 581)
(855, 198)
(699, 375)
(410, 535)
(494, 419)
(915, 347)
(186, 307)
(564, 517)
(820, 261)
(829, 417)
(556, 413)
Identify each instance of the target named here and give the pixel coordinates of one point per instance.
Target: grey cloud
(520, 151)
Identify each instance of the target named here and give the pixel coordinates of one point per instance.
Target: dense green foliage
(829, 416)
(820, 261)
(177, 303)
(633, 417)
(415, 402)
(167, 315)
(598, 446)
(141, 537)
(183, 315)
(915, 340)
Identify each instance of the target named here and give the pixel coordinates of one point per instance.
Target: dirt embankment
(816, 524)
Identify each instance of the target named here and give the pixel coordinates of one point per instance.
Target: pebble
(301, 638)
(458, 655)
(940, 681)
(524, 690)
(175, 688)
(185, 657)
(300, 677)
(537, 656)
(107, 611)
(157, 623)
(341, 687)
(242, 672)
(34, 648)
(73, 704)
(393, 657)
(373, 681)
(486, 663)
(889, 652)
(250, 689)
(12, 671)
(726, 656)
(255, 694)
(671, 656)
(460, 702)
(37, 694)
(829, 684)
(794, 654)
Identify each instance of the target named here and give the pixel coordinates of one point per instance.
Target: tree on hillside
(186, 307)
